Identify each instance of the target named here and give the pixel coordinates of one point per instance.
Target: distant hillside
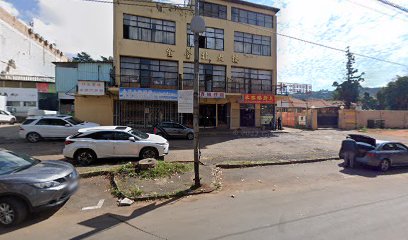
(328, 95)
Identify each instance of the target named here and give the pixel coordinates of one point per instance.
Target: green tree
(394, 96)
(82, 57)
(107, 59)
(348, 90)
(368, 102)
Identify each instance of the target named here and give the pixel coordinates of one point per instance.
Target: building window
(213, 10)
(148, 73)
(30, 104)
(214, 38)
(13, 103)
(212, 77)
(149, 29)
(253, 18)
(245, 80)
(252, 44)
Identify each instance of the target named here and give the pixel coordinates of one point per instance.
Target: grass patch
(162, 170)
(364, 130)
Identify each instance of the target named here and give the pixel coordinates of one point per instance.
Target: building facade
(293, 88)
(26, 68)
(71, 76)
(153, 59)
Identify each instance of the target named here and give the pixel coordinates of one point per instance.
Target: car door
(179, 130)
(60, 128)
(389, 151)
(168, 127)
(43, 127)
(103, 143)
(125, 147)
(3, 116)
(402, 154)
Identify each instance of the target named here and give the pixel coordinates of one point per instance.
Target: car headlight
(49, 184)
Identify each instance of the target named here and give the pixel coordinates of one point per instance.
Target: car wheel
(149, 153)
(190, 136)
(85, 157)
(384, 165)
(12, 211)
(33, 137)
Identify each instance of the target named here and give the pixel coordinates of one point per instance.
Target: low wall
(352, 119)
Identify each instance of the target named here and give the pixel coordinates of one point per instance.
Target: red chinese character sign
(258, 98)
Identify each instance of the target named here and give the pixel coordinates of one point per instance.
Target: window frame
(146, 29)
(206, 70)
(166, 75)
(257, 19)
(217, 10)
(248, 41)
(249, 80)
(216, 36)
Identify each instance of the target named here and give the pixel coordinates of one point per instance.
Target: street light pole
(196, 103)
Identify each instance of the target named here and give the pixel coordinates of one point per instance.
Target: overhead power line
(377, 11)
(394, 5)
(274, 32)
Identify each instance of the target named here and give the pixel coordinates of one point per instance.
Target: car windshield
(139, 134)
(74, 121)
(12, 162)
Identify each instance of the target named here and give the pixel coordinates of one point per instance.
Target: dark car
(173, 130)
(376, 153)
(28, 185)
(385, 155)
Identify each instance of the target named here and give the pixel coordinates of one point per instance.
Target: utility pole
(197, 27)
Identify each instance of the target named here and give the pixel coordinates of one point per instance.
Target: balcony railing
(27, 78)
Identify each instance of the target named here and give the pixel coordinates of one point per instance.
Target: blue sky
(367, 26)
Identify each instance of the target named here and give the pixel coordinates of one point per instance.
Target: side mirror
(132, 139)
(67, 125)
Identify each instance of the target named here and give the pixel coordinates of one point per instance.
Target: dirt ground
(250, 145)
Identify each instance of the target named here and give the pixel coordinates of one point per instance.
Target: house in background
(26, 69)
(80, 78)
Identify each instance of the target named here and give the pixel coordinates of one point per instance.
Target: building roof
(313, 103)
(256, 5)
(75, 63)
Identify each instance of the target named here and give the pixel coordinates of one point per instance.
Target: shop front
(256, 110)
(143, 108)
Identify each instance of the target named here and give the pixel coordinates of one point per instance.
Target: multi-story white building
(291, 88)
(26, 66)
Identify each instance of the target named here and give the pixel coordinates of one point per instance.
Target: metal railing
(27, 78)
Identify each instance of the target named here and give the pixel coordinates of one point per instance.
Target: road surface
(305, 201)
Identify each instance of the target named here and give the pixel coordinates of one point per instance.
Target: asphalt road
(307, 201)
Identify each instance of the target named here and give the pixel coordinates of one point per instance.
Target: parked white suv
(7, 117)
(90, 144)
(39, 127)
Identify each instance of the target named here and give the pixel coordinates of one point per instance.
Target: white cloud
(9, 8)
(77, 26)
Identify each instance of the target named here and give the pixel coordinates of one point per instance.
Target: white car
(36, 128)
(90, 144)
(7, 117)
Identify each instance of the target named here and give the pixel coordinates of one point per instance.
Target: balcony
(27, 78)
(134, 82)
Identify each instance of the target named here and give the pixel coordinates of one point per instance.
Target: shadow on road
(371, 172)
(109, 220)
(32, 219)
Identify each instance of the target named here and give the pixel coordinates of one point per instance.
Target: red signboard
(258, 98)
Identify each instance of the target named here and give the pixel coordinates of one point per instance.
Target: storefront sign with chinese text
(96, 88)
(148, 94)
(258, 98)
(212, 95)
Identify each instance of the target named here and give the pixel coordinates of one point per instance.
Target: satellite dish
(197, 24)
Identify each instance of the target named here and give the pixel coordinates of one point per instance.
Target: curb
(96, 173)
(254, 164)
